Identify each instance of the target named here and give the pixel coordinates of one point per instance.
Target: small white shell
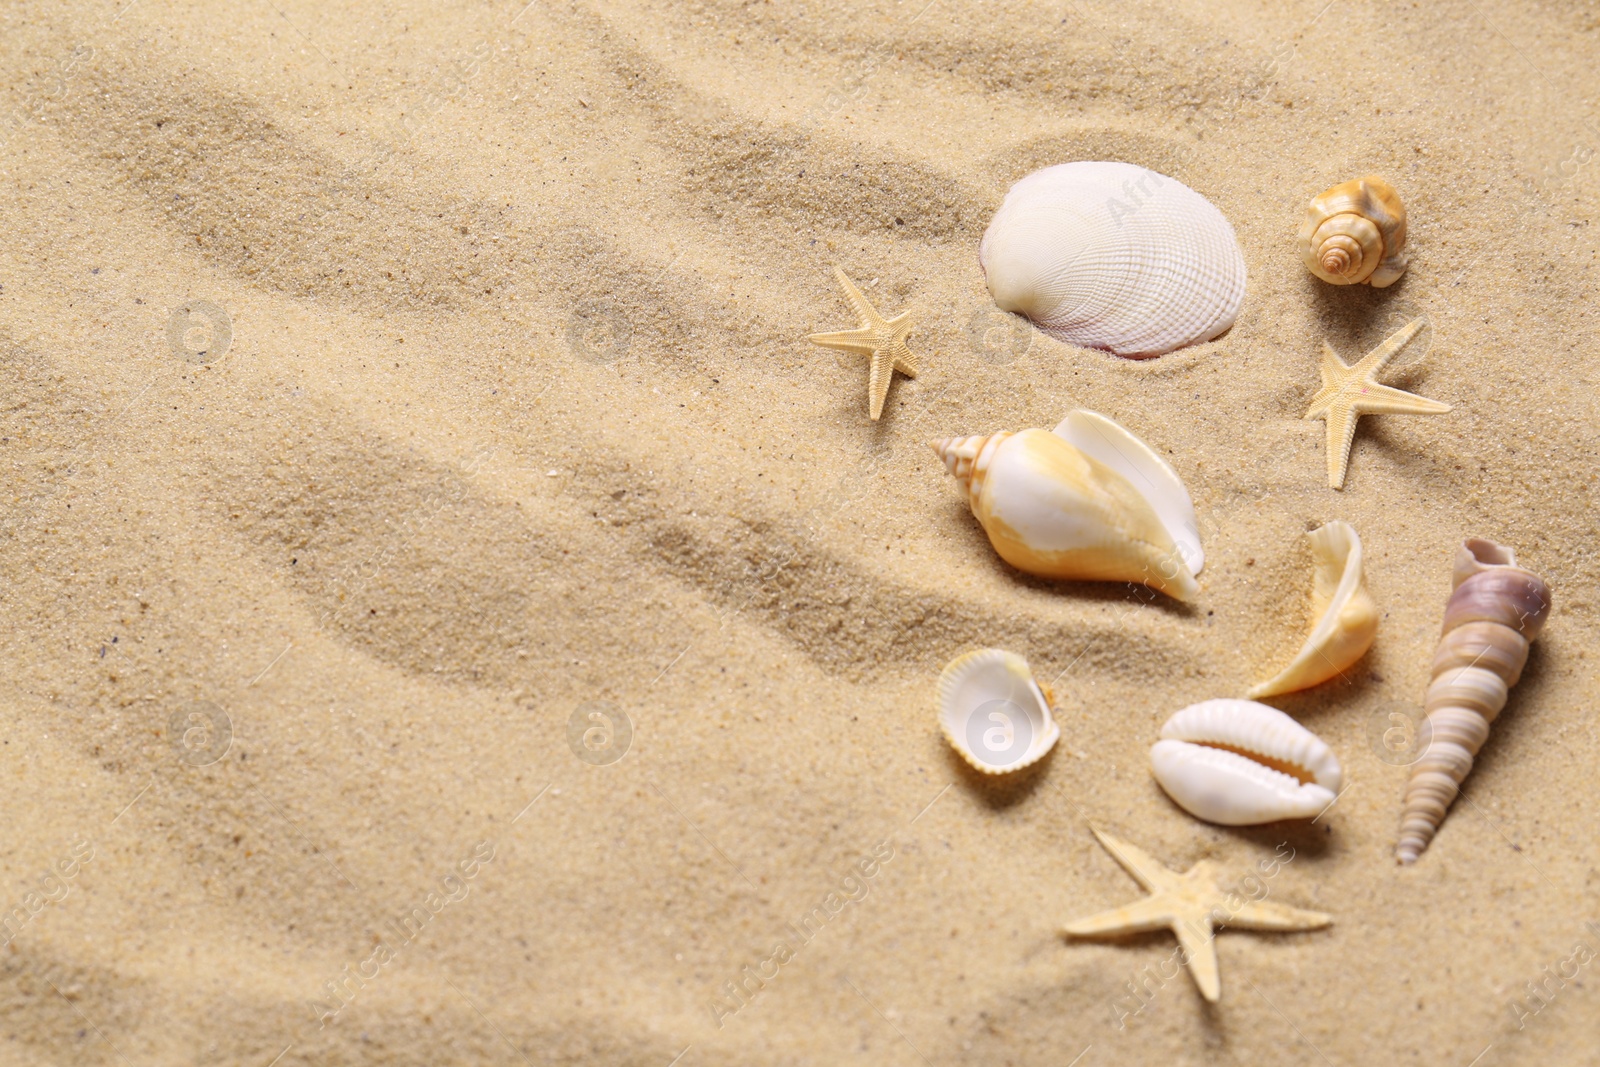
(1239, 763)
(1087, 501)
(1114, 256)
(1346, 618)
(993, 712)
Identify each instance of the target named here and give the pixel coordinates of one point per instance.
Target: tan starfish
(884, 340)
(1191, 905)
(1349, 392)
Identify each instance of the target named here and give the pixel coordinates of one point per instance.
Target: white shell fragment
(1087, 501)
(1239, 763)
(1346, 617)
(1114, 256)
(993, 712)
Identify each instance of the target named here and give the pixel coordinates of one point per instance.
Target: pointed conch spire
(967, 458)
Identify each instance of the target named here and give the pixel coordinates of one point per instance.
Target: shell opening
(1489, 554)
(1149, 475)
(1304, 775)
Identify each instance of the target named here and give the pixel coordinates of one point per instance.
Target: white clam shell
(993, 713)
(1114, 256)
(1217, 760)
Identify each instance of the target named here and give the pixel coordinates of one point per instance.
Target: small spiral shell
(1497, 608)
(1355, 232)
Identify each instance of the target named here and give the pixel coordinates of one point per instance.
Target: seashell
(1495, 610)
(1355, 232)
(1114, 256)
(1346, 619)
(993, 712)
(1239, 763)
(1088, 500)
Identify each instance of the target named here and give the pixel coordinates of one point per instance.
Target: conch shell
(993, 712)
(1088, 500)
(1346, 617)
(1239, 763)
(1356, 232)
(1497, 608)
(1114, 256)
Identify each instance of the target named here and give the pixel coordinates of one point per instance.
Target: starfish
(1190, 905)
(1349, 392)
(884, 340)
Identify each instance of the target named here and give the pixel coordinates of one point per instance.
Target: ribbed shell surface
(1493, 613)
(1114, 256)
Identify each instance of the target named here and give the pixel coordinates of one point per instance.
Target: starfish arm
(1341, 433)
(1266, 915)
(1375, 399)
(1151, 913)
(862, 340)
(1334, 370)
(1145, 868)
(904, 361)
(1199, 946)
(866, 312)
(1373, 361)
(878, 381)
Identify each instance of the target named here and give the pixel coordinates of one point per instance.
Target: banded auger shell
(1114, 256)
(1355, 232)
(1346, 617)
(993, 713)
(1088, 500)
(1496, 609)
(1239, 763)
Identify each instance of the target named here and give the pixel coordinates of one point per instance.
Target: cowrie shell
(1240, 763)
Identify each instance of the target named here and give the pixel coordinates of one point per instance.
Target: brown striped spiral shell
(1497, 608)
(1354, 233)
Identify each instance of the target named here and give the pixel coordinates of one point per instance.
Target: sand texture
(389, 387)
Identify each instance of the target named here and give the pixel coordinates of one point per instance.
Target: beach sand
(391, 388)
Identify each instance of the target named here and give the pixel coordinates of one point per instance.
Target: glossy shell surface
(1239, 763)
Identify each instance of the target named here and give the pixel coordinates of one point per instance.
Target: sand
(389, 388)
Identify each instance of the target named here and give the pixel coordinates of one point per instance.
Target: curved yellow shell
(1345, 616)
(1355, 232)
